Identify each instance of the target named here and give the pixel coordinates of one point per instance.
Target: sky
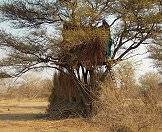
(144, 64)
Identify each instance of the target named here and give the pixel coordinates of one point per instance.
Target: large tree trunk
(68, 98)
(64, 100)
(73, 93)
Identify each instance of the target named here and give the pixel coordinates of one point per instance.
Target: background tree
(82, 51)
(156, 54)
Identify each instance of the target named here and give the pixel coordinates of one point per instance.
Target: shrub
(32, 87)
(122, 107)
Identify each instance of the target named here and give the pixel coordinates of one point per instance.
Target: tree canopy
(131, 23)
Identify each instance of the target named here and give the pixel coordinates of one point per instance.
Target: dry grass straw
(75, 35)
(31, 88)
(79, 35)
(127, 107)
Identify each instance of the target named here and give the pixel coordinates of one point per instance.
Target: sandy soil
(30, 116)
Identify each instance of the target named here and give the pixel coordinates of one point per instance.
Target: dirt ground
(30, 116)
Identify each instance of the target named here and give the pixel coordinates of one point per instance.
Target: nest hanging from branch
(85, 45)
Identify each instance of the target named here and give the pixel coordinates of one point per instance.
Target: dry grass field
(130, 108)
(23, 109)
(29, 116)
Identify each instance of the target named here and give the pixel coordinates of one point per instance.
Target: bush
(123, 107)
(32, 87)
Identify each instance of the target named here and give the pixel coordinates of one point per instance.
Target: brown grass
(31, 88)
(28, 116)
(127, 108)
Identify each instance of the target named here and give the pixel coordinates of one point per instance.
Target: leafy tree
(85, 47)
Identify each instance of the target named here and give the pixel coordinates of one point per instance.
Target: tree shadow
(22, 117)
(19, 116)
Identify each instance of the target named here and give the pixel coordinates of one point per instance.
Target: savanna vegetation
(87, 48)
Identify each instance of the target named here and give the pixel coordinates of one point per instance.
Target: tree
(85, 47)
(156, 50)
(155, 54)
